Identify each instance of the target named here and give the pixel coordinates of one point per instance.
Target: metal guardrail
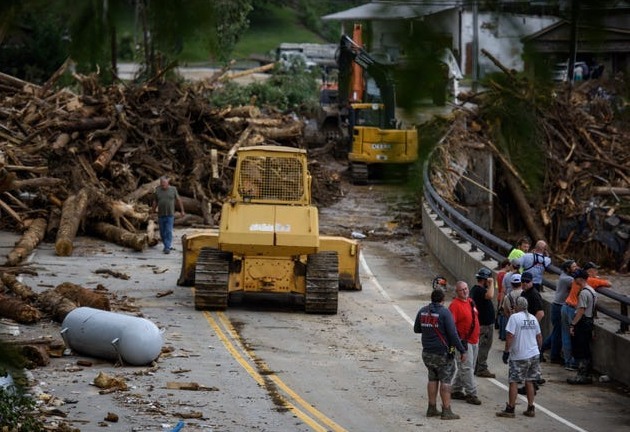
(497, 248)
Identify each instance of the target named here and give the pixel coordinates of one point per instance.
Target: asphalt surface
(266, 366)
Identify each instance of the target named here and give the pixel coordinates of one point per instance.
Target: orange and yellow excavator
(375, 139)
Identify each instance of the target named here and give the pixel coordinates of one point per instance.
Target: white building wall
(500, 35)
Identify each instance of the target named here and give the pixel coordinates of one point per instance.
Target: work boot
(531, 411)
(458, 395)
(508, 412)
(582, 374)
(473, 400)
(580, 379)
(432, 411)
(447, 414)
(485, 374)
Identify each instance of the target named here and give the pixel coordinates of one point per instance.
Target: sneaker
(508, 412)
(531, 411)
(458, 395)
(473, 400)
(570, 367)
(486, 374)
(167, 251)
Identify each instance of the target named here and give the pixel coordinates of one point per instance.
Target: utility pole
(575, 16)
(475, 46)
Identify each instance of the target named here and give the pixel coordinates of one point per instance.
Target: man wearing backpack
(536, 262)
(440, 345)
(581, 328)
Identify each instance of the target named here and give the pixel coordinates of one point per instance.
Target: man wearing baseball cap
(482, 294)
(581, 328)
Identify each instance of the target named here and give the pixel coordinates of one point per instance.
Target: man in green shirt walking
(164, 201)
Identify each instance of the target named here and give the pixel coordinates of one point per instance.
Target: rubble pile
(580, 204)
(90, 160)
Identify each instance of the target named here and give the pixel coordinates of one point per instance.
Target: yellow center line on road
(248, 358)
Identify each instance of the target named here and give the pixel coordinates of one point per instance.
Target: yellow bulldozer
(268, 239)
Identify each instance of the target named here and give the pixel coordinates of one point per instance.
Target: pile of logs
(89, 162)
(582, 206)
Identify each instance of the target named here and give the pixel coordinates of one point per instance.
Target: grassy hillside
(268, 28)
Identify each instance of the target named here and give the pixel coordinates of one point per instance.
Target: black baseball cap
(590, 265)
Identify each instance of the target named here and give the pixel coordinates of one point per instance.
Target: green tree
(32, 43)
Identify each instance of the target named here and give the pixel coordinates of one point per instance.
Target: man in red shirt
(466, 319)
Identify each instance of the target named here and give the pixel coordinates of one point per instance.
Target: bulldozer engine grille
(271, 178)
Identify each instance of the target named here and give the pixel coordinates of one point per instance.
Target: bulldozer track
(359, 172)
(322, 283)
(211, 279)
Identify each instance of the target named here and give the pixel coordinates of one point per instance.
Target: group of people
(457, 339)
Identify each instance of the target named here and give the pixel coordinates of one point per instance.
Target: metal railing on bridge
(497, 249)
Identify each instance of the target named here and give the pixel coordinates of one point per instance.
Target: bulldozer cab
(272, 175)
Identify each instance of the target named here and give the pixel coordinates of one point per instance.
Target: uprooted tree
(562, 163)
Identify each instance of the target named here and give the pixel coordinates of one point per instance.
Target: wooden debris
(72, 214)
(83, 296)
(112, 273)
(18, 310)
(174, 385)
(584, 161)
(35, 232)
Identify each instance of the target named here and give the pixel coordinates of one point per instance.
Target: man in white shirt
(522, 348)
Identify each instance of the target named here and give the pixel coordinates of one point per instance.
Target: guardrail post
(623, 327)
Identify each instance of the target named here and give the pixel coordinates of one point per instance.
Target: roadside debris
(578, 143)
(113, 336)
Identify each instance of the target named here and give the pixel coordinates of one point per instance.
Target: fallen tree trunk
(535, 229)
(36, 183)
(111, 147)
(606, 190)
(30, 239)
(120, 236)
(83, 296)
(142, 191)
(18, 310)
(55, 304)
(84, 124)
(72, 214)
(152, 239)
(21, 290)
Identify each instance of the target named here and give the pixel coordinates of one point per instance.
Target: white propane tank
(113, 336)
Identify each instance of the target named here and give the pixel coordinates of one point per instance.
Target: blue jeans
(568, 312)
(554, 340)
(166, 230)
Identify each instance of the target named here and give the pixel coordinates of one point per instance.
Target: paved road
(267, 367)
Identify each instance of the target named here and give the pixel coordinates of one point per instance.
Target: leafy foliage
(286, 90)
(16, 408)
(16, 412)
(33, 46)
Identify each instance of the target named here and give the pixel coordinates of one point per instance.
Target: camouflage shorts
(440, 367)
(524, 370)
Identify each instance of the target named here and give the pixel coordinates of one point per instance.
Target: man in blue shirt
(440, 342)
